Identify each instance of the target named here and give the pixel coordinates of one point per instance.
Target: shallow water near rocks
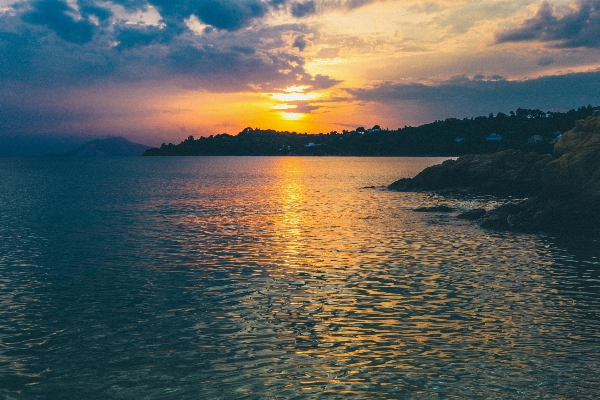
(266, 277)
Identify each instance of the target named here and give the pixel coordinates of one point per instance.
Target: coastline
(560, 191)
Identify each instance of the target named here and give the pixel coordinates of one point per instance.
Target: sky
(158, 71)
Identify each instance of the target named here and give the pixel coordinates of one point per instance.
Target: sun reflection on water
(282, 277)
(291, 199)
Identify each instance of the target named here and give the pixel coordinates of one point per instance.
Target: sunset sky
(160, 70)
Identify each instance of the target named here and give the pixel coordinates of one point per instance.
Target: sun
(292, 116)
(286, 99)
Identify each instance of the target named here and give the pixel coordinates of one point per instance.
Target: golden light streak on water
(216, 277)
(291, 198)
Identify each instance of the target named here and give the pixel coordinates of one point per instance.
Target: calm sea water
(278, 278)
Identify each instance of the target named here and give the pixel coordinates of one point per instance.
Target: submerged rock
(563, 190)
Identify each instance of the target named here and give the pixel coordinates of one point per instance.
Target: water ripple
(278, 278)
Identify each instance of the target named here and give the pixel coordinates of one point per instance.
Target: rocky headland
(561, 191)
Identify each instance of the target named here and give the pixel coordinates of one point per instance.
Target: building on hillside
(493, 137)
(535, 139)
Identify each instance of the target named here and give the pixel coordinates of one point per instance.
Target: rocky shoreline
(561, 190)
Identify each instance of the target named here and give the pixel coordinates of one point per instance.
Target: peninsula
(561, 190)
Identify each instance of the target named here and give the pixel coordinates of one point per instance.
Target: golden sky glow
(295, 96)
(159, 73)
(398, 41)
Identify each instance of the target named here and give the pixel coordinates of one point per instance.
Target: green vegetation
(527, 130)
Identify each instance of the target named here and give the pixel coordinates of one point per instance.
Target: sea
(279, 278)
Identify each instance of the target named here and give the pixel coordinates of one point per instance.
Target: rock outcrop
(507, 172)
(562, 190)
(576, 170)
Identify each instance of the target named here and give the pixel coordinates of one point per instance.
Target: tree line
(523, 129)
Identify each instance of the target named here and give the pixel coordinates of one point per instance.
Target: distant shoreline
(524, 130)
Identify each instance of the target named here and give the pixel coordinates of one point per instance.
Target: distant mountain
(112, 146)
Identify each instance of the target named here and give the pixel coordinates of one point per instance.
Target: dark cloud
(303, 107)
(545, 61)
(101, 13)
(123, 52)
(244, 49)
(576, 27)
(133, 36)
(464, 97)
(233, 15)
(277, 3)
(45, 60)
(53, 15)
(229, 15)
(351, 4)
(320, 82)
(304, 9)
(132, 4)
(231, 70)
(300, 43)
